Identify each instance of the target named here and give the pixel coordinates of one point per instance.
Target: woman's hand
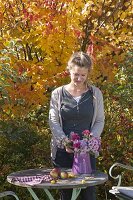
(69, 150)
(67, 145)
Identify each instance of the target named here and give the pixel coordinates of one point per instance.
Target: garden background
(36, 40)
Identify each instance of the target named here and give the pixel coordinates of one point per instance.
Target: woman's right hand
(67, 145)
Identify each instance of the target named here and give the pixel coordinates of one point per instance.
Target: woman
(75, 107)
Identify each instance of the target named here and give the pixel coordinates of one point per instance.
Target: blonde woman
(75, 107)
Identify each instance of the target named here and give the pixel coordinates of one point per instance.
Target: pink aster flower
(76, 144)
(87, 134)
(89, 143)
(74, 136)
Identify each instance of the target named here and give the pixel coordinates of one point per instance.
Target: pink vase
(81, 163)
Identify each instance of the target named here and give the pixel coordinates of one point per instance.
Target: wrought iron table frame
(8, 193)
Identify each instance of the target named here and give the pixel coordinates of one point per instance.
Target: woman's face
(78, 75)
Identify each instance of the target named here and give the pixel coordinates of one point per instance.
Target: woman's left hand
(69, 150)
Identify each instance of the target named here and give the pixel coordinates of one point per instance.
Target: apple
(55, 172)
(71, 175)
(83, 181)
(64, 175)
(53, 181)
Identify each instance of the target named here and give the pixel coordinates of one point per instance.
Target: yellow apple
(64, 175)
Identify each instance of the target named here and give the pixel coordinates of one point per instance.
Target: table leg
(32, 193)
(49, 194)
(35, 196)
(75, 193)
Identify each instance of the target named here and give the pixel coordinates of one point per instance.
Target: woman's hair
(79, 59)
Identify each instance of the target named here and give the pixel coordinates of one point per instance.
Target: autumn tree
(38, 37)
(36, 40)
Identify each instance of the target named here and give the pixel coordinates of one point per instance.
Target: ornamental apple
(64, 175)
(55, 172)
(53, 181)
(71, 175)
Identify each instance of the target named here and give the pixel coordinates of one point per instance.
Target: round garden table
(34, 178)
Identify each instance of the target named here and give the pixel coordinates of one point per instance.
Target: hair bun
(80, 59)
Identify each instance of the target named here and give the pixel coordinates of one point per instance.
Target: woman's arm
(54, 119)
(98, 125)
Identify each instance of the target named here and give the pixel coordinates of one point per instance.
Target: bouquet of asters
(88, 143)
(82, 149)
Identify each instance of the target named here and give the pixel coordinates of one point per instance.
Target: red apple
(64, 175)
(55, 172)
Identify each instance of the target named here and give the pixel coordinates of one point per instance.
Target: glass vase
(81, 163)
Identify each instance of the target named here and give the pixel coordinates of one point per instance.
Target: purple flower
(83, 144)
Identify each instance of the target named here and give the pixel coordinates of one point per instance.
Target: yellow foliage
(45, 35)
(123, 15)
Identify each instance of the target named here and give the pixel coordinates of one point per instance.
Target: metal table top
(80, 181)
